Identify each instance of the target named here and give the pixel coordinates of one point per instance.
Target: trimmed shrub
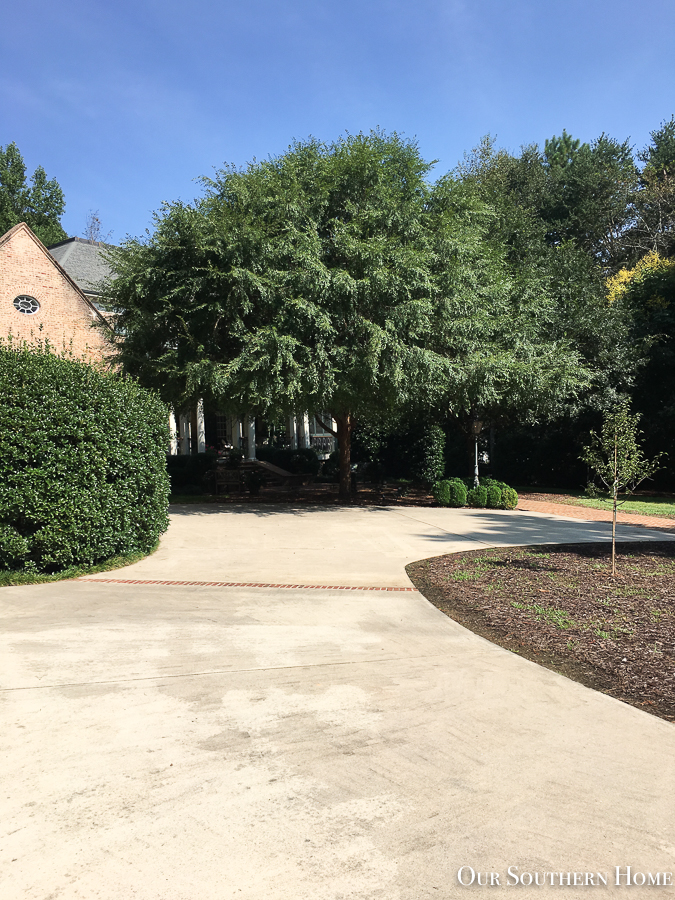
(491, 494)
(494, 496)
(458, 493)
(500, 495)
(441, 492)
(509, 497)
(82, 463)
(477, 497)
(450, 492)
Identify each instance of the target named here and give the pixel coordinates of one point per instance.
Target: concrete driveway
(187, 742)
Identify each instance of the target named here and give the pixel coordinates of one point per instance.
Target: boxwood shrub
(477, 497)
(82, 463)
(490, 494)
(450, 492)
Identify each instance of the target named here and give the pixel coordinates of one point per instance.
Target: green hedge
(490, 494)
(82, 463)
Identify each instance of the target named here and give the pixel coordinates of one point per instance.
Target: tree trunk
(614, 535)
(615, 493)
(344, 437)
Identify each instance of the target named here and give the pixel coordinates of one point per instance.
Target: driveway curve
(197, 741)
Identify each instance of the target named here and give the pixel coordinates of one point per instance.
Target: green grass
(9, 577)
(644, 506)
(559, 617)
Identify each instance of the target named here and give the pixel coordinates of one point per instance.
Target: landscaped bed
(559, 606)
(391, 494)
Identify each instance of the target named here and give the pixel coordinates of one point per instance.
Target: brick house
(40, 301)
(54, 293)
(84, 262)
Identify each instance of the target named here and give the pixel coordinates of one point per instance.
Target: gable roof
(84, 262)
(7, 237)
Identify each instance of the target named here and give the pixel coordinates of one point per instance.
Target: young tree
(40, 205)
(617, 459)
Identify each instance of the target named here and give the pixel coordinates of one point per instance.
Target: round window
(26, 305)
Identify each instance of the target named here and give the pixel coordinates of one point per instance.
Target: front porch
(200, 430)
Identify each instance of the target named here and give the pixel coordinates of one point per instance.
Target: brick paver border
(589, 514)
(252, 584)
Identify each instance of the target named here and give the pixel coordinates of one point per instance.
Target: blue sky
(127, 103)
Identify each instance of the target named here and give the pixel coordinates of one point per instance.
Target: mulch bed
(327, 494)
(559, 606)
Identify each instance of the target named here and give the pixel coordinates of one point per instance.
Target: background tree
(588, 196)
(646, 292)
(559, 218)
(93, 230)
(653, 228)
(39, 204)
(617, 459)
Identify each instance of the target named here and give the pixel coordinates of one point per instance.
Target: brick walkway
(593, 515)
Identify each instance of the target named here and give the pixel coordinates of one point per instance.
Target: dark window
(26, 305)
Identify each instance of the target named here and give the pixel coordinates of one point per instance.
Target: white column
(201, 430)
(184, 435)
(292, 432)
(250, 423)
(173, 429)
(304, 430)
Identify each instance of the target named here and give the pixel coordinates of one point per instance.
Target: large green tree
(40, 203)
(550, 252)
(337, 278)
(588, 195)
(653, 227)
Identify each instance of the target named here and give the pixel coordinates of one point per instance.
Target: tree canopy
(40, 203)
(338, 278)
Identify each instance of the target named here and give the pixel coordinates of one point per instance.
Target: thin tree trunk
(344, 437)
(616, 477)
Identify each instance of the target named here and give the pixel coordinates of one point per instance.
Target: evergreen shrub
(509, 497)
(441, 492)
(450, 492)
(477, 497)
(82, 463)
(494, 496)
(491, 494)
(428, 455)
(500, 495)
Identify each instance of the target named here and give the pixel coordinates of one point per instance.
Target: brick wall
(65, 318)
